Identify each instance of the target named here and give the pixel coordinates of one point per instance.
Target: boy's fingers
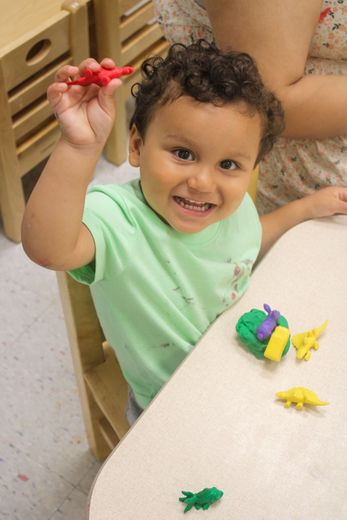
(55, 91)
(106, 98)
(70, 71)
(89, 63)
(66, 72)
(106, 94)
(112, 86)
(107, 63)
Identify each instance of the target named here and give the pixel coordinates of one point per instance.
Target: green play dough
(246, 328)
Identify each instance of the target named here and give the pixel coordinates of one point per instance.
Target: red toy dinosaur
(101, 77)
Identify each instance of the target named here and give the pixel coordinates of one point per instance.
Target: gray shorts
(133, 410)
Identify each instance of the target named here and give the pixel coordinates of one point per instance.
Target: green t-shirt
(157, 290)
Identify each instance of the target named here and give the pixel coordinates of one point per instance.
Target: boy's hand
(323, 203)
(327, 201)
(85, 114)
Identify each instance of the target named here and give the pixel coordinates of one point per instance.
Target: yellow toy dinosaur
(306, 340)
(300, 396)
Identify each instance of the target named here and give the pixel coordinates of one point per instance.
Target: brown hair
(207, 74)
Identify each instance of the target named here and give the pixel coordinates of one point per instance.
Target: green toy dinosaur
(201, 500)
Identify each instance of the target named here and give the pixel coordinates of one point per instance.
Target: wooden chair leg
(102, 388)
(86, 339)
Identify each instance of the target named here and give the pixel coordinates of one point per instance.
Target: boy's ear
(135, 144)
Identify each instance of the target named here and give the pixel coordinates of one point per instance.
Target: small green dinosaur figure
(300, 396)
(203, 499)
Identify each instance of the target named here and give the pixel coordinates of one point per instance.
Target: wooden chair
(102, 388)
(28, 63)
(128, 33)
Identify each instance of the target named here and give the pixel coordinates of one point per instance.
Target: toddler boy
(164, 255)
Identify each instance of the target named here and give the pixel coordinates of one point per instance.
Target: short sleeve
(94, 271)
(106, 219)
(248, 223)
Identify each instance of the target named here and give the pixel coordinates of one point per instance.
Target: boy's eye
(228, 164)
(183, 154)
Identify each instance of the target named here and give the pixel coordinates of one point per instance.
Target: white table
(217, 422)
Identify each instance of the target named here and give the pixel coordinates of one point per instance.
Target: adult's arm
(277, 34)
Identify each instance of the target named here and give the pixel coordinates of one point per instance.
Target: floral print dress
(294, 167)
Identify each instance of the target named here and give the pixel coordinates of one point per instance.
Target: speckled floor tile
(75, 507)
(28, 491)
(19, 307)
(87, 481)
(46, 468)
(40, 393)
(16, 267)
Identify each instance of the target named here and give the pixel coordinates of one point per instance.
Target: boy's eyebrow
(181, 138)
(188, 142)
(240, 155)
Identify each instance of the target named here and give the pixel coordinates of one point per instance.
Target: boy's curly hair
(206, 74)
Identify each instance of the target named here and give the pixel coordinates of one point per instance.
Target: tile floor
(46, 469)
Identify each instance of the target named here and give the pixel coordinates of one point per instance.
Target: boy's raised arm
(52, 231)
(53, 234)
(322, 203)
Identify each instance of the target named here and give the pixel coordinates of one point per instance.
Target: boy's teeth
(192, 204)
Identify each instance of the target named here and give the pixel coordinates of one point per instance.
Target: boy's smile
(196, 160)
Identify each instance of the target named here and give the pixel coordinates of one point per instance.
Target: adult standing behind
(301, 51)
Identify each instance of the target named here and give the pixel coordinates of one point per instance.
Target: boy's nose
(201, 181)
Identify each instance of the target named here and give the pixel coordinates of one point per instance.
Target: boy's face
(196, 161)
